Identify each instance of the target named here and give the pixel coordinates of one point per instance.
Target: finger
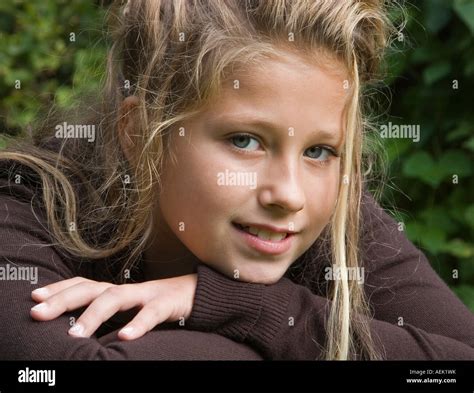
(40, 294)
(114, 299)
(71, 298)
(152, 314)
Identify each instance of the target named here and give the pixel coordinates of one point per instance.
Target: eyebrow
(261, 123)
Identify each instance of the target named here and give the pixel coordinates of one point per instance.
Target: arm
(24, 243)
(399, 283)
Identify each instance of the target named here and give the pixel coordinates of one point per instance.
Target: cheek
(323, 191)
(193, 201)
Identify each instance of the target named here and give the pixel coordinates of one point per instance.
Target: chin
(268, 272)
(261, 273)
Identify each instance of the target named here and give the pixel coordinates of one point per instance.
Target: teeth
(265, 235)
(252, 230)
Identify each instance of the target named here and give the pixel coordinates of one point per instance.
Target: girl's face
(262, 156)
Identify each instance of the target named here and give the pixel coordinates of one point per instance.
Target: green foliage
(435, 175)
(47, 48)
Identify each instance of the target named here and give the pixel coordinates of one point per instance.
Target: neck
(159, 268)
(166, 256)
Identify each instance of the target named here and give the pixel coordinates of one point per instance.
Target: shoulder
(381, 236)
(24, 234)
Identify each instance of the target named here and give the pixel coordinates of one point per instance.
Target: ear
(126, 126)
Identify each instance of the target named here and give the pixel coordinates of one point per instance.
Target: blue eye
(319, 153)
(242, 142)
(247, 142)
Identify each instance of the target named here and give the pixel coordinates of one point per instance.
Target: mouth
(264, 241)
(263, 234)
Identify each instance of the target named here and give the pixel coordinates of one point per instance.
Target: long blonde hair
(174, 56)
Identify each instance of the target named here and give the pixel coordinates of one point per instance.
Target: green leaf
(437, 15)
(469, 69)
(462, 130)
(469, 144)
(455, 162)
(431, 238)
(438, 217)
(466, 294)
(459, 248)
(397, 147)
(465, 11)
(469, 215)
(421, 55)
(466, 271)
(64, 97)
(436, 71)
(3, 142)
(422, 166)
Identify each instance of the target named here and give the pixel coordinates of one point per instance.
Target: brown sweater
(231, 319)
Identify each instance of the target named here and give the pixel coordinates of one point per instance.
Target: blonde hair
(174, 55)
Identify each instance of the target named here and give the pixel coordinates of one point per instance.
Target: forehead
(288, 87)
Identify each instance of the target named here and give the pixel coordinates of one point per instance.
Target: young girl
(220, 189)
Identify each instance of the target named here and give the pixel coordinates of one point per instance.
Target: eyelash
(329, 149)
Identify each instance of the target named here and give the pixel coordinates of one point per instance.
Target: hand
(160, 301)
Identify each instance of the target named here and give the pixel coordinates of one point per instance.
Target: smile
(264, 240)
(263, 233)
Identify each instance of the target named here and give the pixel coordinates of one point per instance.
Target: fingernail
(77, 330)
(40, 307)
(41, 291)
(127, 331)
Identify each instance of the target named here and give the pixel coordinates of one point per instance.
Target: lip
(265, 246)
(270, 228)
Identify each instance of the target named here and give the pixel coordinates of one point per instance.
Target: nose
(281, 186)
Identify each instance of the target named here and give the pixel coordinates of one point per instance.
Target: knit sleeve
(28, 261)
(415, 315)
